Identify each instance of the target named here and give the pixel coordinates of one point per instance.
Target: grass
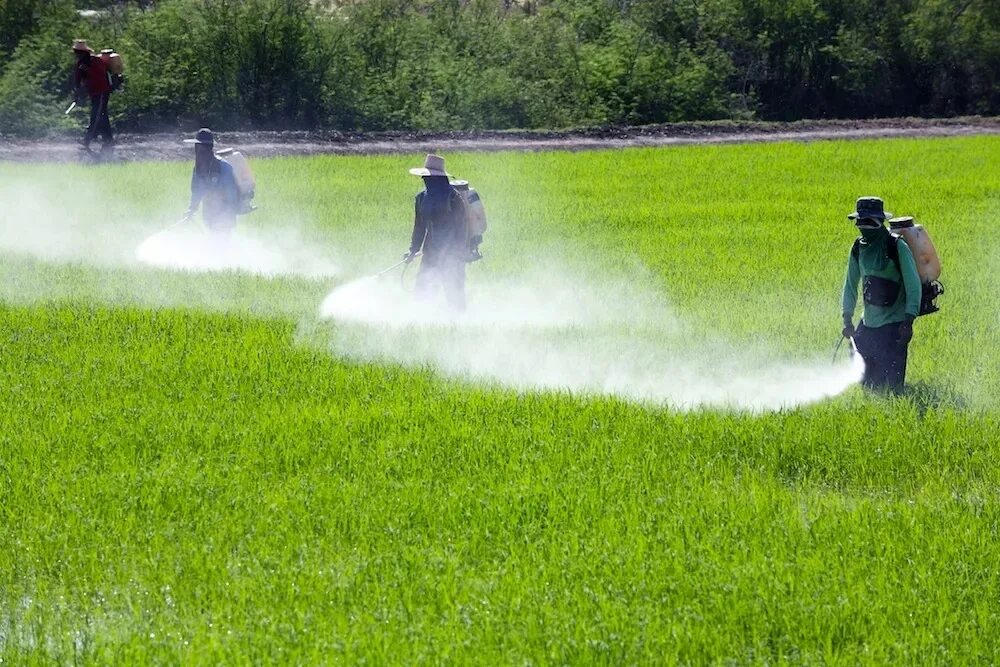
(183, 480)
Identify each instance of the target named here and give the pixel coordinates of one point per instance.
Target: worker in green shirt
(883, 265)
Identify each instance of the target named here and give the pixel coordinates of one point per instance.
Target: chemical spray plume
(190, 248)
(548, 332)
(61, 223)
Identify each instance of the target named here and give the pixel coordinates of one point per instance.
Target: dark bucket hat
(202, 136)
(869, 207)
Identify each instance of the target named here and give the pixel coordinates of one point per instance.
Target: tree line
(481, 64)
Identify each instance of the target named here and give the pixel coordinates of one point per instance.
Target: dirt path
(134, 147)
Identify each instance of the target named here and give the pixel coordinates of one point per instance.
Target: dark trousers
(99, 121)
(449, 274)
(884, 355)
(220, 222)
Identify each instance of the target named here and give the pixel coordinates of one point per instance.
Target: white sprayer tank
(924, 253)
(241, 170)
(477, 212)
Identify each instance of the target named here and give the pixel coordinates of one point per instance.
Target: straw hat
(81, 45)
(202, 136)
(433, 166)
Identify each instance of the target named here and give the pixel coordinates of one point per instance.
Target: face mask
(868, 223)
(203, 157)
(874, 234)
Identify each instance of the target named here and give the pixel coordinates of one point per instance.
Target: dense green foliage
(466, 64)
(187, 487)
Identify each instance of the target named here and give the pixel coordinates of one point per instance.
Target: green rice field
(622, 462)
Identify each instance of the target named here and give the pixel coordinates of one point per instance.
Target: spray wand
(187, 217)
(405, 260)
(837, 348)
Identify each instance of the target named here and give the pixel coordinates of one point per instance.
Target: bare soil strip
(136, 147)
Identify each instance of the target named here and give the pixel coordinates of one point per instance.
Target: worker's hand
(848, 330)
(188, 214)
(905, 332)
(408, 256)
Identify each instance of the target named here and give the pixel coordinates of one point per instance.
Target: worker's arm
(78, 85)
(849, 300)
(911, 279)
(197, 193)
(419, 227)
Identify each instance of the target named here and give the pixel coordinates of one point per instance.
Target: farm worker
(90, 78)
(883, 265)
(213, 185)
(439, 231)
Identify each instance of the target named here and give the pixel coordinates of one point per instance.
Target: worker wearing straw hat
(439, 232)
(90, 79)
(213, 186)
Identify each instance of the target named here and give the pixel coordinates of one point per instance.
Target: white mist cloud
(541, 330)
(57, 222)
(547, 332)
(191, 248)
(60, 224)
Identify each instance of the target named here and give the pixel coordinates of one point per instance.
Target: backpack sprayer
(246, 184)
(926, 258)
(475, 218)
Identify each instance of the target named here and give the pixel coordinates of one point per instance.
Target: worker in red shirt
(91, 78)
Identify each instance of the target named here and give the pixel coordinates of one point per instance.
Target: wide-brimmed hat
(433, 166)
(80, 45)
(869, 207)
(202, 136)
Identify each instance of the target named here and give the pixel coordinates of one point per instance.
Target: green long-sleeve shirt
(872, 260)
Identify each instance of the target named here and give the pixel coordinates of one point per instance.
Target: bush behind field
(468, 64)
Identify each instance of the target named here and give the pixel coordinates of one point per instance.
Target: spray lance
(406, 260)
(840, 342)
(187, 217)
(71, 107)
(836, 349)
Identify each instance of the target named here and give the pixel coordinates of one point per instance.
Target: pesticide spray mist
(187, 247)
(538, 331)
(118, 257)
(66, 223)
(546, 331)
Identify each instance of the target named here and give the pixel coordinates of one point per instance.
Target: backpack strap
(891, 251)
(455, 199)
